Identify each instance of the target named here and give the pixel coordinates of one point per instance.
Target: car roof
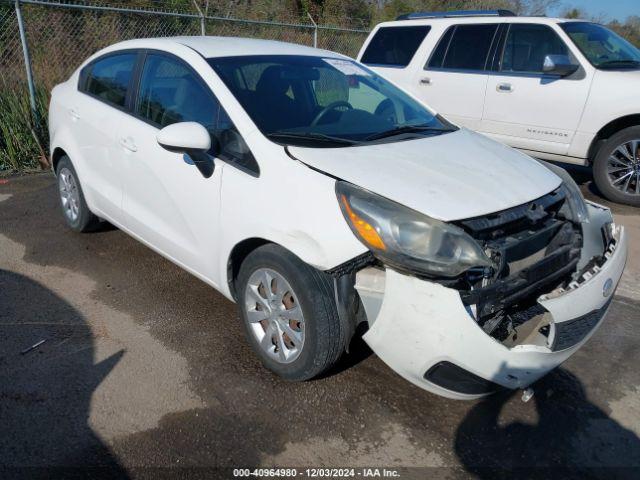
(210, 47)
(474, 20)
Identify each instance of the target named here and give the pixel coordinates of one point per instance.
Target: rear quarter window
(394, 46)
(109, 78)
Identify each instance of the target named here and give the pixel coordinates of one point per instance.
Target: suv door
(526, 108)
(97, 113)
(455, 77)
(167, 202)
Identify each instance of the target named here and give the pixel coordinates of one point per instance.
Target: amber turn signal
(367, 233)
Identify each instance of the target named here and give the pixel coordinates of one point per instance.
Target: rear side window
(109, 78)
(464, 47)
(394, 46)
(527, 45)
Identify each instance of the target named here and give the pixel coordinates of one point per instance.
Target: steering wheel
(328, 108)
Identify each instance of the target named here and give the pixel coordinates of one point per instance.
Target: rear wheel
(74, 207)
(289, 313)
(616, 168)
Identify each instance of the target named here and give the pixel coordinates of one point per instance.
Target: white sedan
(319, 196)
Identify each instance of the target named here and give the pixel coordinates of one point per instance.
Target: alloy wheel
(623, 168)
(69, 194)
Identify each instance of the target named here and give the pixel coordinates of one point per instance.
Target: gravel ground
(145, 367)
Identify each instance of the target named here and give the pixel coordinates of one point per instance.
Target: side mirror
(189, 138)
(559, 65)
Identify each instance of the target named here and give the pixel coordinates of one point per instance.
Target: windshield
(602, 47)
(325, 102)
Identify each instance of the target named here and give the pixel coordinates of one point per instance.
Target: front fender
(270, 206)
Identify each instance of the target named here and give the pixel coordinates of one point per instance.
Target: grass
(23, 145)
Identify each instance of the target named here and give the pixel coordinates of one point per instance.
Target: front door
(454, 79)
(167, 202)
(526, 108)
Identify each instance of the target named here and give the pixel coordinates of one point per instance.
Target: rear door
(454, 78)
(97, 113)
(527, 108)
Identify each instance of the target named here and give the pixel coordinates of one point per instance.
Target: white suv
(557, 89)
(319, 197)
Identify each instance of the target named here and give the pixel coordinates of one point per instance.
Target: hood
(449, 177)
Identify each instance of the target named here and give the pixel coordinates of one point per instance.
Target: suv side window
(109, 78)
(394, 46)
(464, 47)
(170, 92)
(526, 46)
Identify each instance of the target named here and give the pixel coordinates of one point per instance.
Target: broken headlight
(407, 239)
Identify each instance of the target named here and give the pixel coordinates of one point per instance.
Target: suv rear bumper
(416, 325)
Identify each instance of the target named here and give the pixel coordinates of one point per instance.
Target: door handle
(504, 87)
(74, 114)
(425, 81)
(128, 144)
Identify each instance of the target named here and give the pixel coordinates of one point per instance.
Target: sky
(613, 9)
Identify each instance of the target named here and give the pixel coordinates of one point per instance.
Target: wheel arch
(56, 155)
(237, 255)
(610, 129)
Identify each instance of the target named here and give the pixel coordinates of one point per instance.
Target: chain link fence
(60, 35)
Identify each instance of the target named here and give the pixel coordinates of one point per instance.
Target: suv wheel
(289, 313)
(616, 168)
(74, 207)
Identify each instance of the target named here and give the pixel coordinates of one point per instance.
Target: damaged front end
(538, 249)
(550, 286)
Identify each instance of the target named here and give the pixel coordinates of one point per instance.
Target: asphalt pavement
(144, 369)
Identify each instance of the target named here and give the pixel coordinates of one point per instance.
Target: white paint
(436, 327)
(559, 118)
(185, 136)
(448, 177)
(165, 203)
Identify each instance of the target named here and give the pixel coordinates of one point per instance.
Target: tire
(606, 175)
(72, 203)
(317, 339)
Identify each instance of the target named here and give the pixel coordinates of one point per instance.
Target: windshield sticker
(347, 67)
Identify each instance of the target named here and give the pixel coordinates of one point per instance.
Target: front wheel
(616, 168)
(289, 313)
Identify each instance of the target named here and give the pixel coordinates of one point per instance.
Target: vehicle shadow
(573, 438)
(46, 390)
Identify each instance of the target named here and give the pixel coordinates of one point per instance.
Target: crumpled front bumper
(416, 324)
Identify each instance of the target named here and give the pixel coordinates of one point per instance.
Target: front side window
(464, 47)
(527, 45)
(394, 46)
(323, 101)
(109, 78)
(170, 92)
(602, 47)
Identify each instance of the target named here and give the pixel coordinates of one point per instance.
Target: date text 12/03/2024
(317, 472)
